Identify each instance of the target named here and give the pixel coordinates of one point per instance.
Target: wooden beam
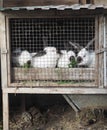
(71, 103)
(100, 2)
(16, 3)
(101, 55)
(5, 111)
(3, 50)
(55, 90)
(53, 74)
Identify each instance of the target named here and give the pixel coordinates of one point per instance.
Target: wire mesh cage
(52, 51)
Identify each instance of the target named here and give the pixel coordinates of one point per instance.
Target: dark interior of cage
(56, 48)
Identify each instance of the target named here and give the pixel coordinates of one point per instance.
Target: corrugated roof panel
(59, 7)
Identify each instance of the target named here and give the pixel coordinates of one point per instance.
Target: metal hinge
(101, 50)
(4, 51)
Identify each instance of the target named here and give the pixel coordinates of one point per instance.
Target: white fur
(64, 61)
(21, 59)
(49, 60)
(88, 58)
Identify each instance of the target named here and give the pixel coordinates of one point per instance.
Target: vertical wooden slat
(5, 112)
(101, 55)
(96, 48)
(105, 55)
(8, 48)
(83, 1)
(3, 50)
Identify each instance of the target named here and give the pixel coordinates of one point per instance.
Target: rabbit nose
(72, 58)
(79, 59)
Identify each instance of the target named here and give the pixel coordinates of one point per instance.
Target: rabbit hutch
(52, 48)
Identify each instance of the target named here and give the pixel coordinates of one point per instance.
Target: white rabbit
(86, 57)
(22, 58)
(65, 58)
(48, 58)
(15, 54)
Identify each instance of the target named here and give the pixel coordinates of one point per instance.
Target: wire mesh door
(52, 51)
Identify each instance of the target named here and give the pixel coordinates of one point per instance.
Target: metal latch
(4, 51)
(101, 50)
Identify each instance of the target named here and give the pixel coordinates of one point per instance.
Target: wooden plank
(5, 111)
(97, 48)
(8, 48)
(53, 74)
(3, 50)
(71, 103)
(45, 84)
(83, 1)
(51, 13)
(86, 1)
(101, 55)
(99, 2)
(57, 90)
(16, 3)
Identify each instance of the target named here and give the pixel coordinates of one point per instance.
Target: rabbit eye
(84, 55)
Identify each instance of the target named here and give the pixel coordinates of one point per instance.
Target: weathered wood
(8, 48)
(52, 13)
(5, 111)
(53, 74)
(104, 2)
(86, 1)
(16, 3)
(57, 90)
(3, 50)
(105, 53)
(97, 48)
(71, 103)
(45, 84)
(101, 55)
(83, 1)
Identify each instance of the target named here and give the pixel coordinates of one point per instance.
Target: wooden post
(3, 50)
(101, 55)
(5, 111)
(83, 1)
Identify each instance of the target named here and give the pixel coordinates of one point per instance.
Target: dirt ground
(58, 117)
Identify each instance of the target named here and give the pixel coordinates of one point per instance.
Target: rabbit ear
(75, 45)
(45, 41)
(90, 43)
(66, 46)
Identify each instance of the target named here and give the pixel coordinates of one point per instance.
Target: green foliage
(26, 65)
(73, 64)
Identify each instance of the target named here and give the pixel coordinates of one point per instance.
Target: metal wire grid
(29, 33)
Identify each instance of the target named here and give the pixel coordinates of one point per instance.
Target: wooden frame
(93, 82)
(99, 28)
